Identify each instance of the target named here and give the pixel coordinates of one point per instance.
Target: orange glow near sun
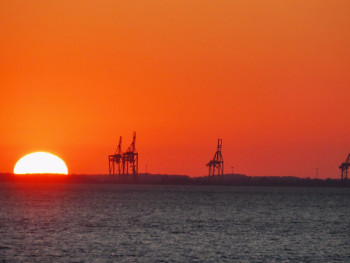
(271, 78)
(40, 163)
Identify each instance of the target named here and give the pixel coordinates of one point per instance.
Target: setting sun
(40, 163)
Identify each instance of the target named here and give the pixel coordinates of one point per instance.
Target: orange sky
(271, 78)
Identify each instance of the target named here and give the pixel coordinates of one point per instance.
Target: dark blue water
(116, 223)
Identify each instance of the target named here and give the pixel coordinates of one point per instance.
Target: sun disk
(40, 163)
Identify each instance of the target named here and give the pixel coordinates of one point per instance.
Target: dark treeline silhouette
(226, 179)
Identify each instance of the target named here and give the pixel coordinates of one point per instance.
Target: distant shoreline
(164, 179)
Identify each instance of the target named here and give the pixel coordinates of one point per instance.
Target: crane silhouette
(216, 165)
(115, 160)
(344, 168)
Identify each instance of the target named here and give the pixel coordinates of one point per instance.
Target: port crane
(131, 159)
(115, 161)
(216, 165)
(344, 168)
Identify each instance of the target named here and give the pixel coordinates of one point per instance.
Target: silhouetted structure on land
(344, 168)
(116, 160)
(124, 164)
(216, 165)
(131, 159)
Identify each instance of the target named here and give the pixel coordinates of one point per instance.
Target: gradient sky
(271, 78)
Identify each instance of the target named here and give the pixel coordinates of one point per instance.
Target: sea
(58, 222)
